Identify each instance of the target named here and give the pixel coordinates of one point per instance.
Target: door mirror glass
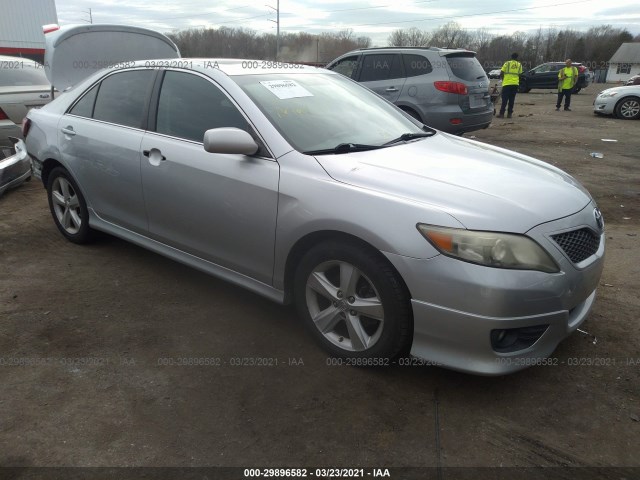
(230, 141)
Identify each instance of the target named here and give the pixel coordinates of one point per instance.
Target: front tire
(68, 207)
(353, 301)
(628, 108)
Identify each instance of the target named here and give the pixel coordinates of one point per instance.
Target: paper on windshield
(284, 89)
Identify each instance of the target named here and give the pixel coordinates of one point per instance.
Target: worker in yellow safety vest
(510, 75)
(567, 79)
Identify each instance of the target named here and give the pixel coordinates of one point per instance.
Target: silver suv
(442, 87)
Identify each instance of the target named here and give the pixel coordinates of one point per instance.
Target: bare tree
(412, 37)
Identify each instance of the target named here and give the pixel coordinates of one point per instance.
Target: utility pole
(277, 22)
(90, 16)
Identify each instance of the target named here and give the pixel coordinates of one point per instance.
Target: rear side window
(466, 67)
(122, 98)
(189, 105)
(346, 66)
(84, 107)
(381, 67)
(415, 65)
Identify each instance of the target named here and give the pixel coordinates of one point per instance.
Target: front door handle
(391, 89)
(69, 131)
(155, 156)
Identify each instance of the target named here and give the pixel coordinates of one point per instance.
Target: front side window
(380, 67)
(189, 105)
(122, 98)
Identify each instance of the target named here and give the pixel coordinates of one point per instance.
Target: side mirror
(229, 140)
(532, 72)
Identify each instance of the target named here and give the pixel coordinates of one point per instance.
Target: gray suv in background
(442, 87)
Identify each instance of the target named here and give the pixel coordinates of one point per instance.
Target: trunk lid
(74, 52)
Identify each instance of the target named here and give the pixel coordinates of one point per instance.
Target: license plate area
(477, 101)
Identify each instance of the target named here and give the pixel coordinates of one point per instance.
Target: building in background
(625, 63)
(21, 24)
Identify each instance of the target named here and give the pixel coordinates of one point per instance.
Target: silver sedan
(623, 102)
(302, 186)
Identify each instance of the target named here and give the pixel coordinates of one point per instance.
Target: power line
(468, 15)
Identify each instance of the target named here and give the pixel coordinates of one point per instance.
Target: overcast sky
(375, 19)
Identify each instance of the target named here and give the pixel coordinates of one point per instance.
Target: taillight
(26, 125)
(3, 116)
(451, 87)
(581, 68)
(52, 27)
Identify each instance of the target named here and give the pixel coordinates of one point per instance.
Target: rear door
(383, 73)
(465, 68)
(220, 207)
(100, 137)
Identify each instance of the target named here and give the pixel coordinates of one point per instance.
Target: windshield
(321, 111)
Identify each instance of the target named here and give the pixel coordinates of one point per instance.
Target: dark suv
(546, 76)
(442, 87)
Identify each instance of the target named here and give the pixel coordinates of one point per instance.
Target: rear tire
(68, 207)
(353, 302)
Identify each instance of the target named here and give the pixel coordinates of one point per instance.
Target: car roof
(228, 66)
(441, 51)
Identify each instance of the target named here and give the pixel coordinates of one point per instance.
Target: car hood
(626, 89)
(483, 187)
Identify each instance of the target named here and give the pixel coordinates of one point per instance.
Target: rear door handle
(68, 131)
(391, 89)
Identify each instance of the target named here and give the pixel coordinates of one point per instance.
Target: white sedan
(495, 73)
(623, 102)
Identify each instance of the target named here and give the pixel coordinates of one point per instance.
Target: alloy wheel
(344, 306)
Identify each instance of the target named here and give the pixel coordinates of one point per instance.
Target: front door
(218, 207)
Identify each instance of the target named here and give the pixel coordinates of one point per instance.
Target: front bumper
(456, 305)
(604, 106)
(16, 168)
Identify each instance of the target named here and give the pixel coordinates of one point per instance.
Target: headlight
(606, 94)
(501, 250)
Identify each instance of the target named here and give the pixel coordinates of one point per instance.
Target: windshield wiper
(405, 137)
(344, 148)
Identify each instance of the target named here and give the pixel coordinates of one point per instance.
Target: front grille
(578, 244)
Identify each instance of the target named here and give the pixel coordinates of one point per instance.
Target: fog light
(510, 340)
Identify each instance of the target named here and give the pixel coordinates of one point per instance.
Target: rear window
(18, 74)
(466, 67)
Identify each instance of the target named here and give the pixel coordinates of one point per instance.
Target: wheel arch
(411, 111)
(47, 167)
(308, 241)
